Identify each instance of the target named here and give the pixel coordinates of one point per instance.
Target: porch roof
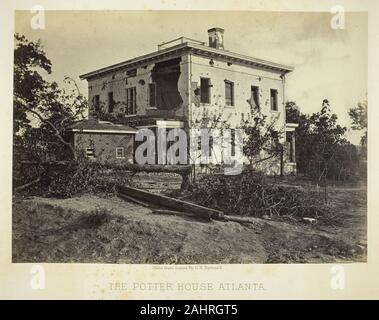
(96, 126)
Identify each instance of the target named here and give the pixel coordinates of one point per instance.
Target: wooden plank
(241, 219)
(168, 202)
(131, 199)
(182, 213)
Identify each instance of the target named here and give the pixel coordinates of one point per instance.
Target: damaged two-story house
(174, 85)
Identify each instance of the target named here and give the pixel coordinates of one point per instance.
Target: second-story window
(96, 101)
(274, 99)
(255, 96)
(152, 95)
(229, 93)
(110, 102)
(131, 100)
(205, 92)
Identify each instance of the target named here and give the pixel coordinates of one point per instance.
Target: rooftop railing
(180, 40)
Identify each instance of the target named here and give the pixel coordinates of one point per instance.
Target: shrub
(66, 179)
(250, 194)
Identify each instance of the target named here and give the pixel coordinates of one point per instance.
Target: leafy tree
(29, 62)
(42, 114)
(321, 148)
(42, 111)
(292, 112)
(358, 117)
(262, 137)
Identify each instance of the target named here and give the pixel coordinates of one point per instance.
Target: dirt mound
(92, 229)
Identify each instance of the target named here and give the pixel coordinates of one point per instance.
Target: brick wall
(105, 145)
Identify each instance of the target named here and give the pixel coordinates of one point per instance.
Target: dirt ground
(94, 229)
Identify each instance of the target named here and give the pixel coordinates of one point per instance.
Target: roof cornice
(195, 48)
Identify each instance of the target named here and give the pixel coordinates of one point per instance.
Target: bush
(250, 194)
(66, 179)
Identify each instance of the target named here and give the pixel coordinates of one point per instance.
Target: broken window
(274, 99)
(110, 102)
(205, 90)
(120, 152)
(90, 152)
(165, 75)
(152, 94)
(131, 100)
(229, 93)
(255, 96)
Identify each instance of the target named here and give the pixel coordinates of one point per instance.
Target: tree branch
(56, 131)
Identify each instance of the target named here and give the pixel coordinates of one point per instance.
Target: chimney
(216, 38)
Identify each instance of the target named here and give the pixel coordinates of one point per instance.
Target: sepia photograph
(189, 137)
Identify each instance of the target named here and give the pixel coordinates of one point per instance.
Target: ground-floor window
(120, 152)
(90, 152)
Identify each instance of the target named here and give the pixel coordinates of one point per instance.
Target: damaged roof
(94, 126)
(195, 48)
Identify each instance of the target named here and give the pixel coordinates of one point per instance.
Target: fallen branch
(24, 186)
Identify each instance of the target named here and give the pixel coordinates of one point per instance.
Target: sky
(329, 63)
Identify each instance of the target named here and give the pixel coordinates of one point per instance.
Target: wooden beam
(181, 213)
(241, 219)
(131, 199)
(168, 202)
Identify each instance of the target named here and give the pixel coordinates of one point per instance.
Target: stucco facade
(119, 82)
(243, 79)
(167, 87)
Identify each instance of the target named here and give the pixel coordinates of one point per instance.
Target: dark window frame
(123, 152)
(152, 97)
(131, 100)
(90, 153)
(111, 102)
(96, 101)
(274, 99)
(205, 97)
(229, 102)
(255, 95)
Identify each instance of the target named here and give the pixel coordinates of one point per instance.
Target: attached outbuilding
(103, 141)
